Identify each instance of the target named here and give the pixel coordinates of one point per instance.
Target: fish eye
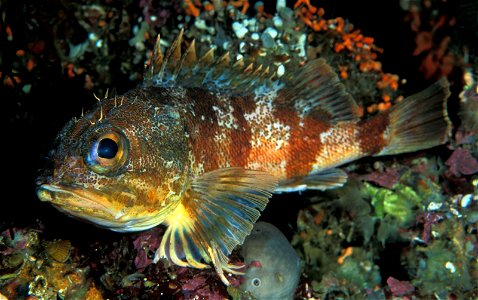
(107, 148)
(108, 153)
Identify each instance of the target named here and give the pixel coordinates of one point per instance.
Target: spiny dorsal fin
(313, 89)
(207, 59)
(239, 64)
(316, 89)
(172, 60)
(161, 65)
(248, 69)
(188, 70)
(265, 73)
(174, 53)
(224, 60)
(156, 62)
(190, 55)
(258, 70)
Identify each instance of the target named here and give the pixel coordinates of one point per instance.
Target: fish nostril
(43, 178)
(45, 172)
(39, 181)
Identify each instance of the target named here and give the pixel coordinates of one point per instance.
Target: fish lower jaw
(74, 199)
(94, 209)
(132, 225)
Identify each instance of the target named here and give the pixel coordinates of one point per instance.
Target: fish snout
(43, 192)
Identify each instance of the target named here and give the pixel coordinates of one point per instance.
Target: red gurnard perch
(204, 142)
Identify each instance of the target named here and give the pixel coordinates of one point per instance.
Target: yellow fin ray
(215, 216)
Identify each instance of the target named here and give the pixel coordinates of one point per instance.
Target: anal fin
(325, 180)
(215, 215)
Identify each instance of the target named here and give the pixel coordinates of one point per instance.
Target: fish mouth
(96, 207)
(74, 197)
(82, 203)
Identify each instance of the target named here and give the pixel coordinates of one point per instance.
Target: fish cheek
(137, 188)
(157, 191)
(158, 161)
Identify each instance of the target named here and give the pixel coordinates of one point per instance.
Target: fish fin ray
(155, 63)
(208, 70)
(419, 121)
(215, 216)
(313, 89)
(316, 90)
(325, 180)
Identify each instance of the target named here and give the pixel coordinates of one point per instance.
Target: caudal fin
(419, 121)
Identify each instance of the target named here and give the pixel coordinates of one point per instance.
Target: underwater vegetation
(402, 227)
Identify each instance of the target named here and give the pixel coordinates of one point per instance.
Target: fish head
(121, 166)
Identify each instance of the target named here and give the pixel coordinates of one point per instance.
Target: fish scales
(251, 131)
(203, 144)
(225, 132)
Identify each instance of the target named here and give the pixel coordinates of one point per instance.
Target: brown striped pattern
(255, 134)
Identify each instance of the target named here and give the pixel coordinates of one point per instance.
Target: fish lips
(81, 203)
(69, 196)
(95, 207)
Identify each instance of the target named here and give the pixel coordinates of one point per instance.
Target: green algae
(401, 203)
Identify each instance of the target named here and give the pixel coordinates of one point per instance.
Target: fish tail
(419, 121)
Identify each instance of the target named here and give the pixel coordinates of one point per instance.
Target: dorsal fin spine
(208, 58)
(189, 70)
(190, 57)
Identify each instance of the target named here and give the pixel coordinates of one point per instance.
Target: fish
(206, 140)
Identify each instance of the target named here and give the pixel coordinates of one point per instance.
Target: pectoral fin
(216, 215)
(328, 179)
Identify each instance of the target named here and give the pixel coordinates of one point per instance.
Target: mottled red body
(253, 132)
